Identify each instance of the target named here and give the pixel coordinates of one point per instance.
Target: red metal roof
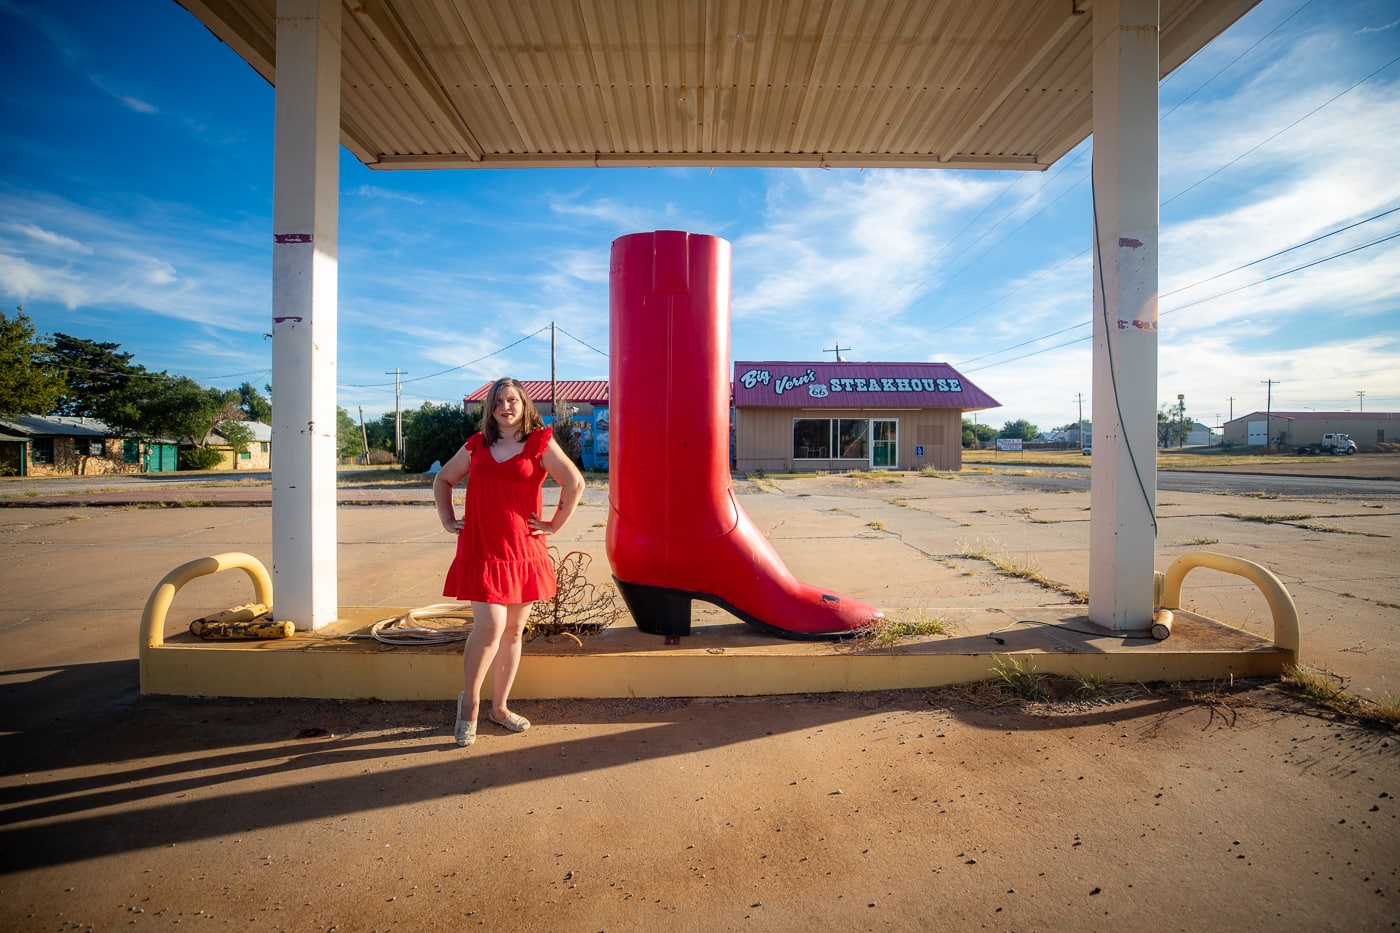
(577, 391)
(856, 385)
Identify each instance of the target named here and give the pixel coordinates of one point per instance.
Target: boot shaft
(669, 382)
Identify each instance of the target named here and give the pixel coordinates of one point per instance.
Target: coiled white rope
(403, 629)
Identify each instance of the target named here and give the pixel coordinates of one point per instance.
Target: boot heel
(657, 610)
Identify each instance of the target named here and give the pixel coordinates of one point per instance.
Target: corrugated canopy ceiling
(538, 83)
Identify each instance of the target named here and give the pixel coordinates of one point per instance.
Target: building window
(41, 450)
(817, 438)
(811, 439)
(263, 446)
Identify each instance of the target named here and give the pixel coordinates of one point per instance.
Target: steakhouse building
(851, 416)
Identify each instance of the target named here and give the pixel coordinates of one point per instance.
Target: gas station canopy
(437, 84)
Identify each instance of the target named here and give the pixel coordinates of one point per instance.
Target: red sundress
(498, 560)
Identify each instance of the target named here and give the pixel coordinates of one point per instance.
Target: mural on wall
(592, 433)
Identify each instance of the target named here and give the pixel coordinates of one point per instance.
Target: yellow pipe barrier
(1285, 613)
(153, 619)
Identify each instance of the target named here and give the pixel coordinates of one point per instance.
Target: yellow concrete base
(721, 658)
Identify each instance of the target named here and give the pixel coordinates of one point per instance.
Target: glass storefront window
(811, 439)
(853, 439)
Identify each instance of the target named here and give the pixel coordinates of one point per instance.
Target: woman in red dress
(502, 564)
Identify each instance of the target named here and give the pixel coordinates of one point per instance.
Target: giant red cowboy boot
(675, 531)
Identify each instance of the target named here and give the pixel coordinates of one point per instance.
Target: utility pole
(1080, 397)
(398, 414)
(364, 436)
(553, 389)
(837, 350)
(1181, 418)
(1361, 395)
(1269, 417)
(1232, 408)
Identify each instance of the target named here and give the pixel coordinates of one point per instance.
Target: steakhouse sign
(855, 385)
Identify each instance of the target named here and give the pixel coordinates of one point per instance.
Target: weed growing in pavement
(881, 476)
(1200, 542)
(887, 632)
(1022, 679)
(1328, 690)
(1267, 519)
(1026, 570)
(1297, 521)
(877, 525)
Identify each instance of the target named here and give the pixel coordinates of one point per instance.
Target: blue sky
(136, 206)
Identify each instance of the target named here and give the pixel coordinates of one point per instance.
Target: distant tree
(239, 436)
(436, 432)
(349, 444)
(97, 375)
(381, 433)
(975, 435)
(1020, 428)
(29, 382)
(180, 408)
(254, 405)
(1172, 428)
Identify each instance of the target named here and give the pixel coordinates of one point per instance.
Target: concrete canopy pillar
(305, 214)
(1123, 490)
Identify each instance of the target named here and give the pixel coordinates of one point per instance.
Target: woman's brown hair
(489, 428)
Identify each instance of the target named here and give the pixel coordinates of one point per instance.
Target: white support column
(1123, 494)
(305, 214)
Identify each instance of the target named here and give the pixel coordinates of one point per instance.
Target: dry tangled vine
(579, 607)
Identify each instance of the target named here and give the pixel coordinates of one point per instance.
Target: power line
(383, 385)
(1198, 301)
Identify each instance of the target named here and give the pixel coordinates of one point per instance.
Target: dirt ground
(1151, 807)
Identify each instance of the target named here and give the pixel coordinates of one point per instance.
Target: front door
(884, 444)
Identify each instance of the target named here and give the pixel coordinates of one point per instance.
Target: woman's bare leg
(488, 623)
(507, 660)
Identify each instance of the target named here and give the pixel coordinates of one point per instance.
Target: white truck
(1330, 444)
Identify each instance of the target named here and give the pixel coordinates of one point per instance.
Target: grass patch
(877, 525)
(1200, 542)
(878, 476)
(1267, 519)
(1021, 679)
(887, 632)
(1087, 685)
(1026, 570)
(1302, 521)
(902, 503)
(1328, 690)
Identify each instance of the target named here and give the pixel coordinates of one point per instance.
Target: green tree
(254, 405)
(98, 376)
(380, 433)
(975, 435)
(436, 432)
(29, 382)
(238, 435)
(349, 445)
(1020, 428)
(180, 408)
(1172, 428)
